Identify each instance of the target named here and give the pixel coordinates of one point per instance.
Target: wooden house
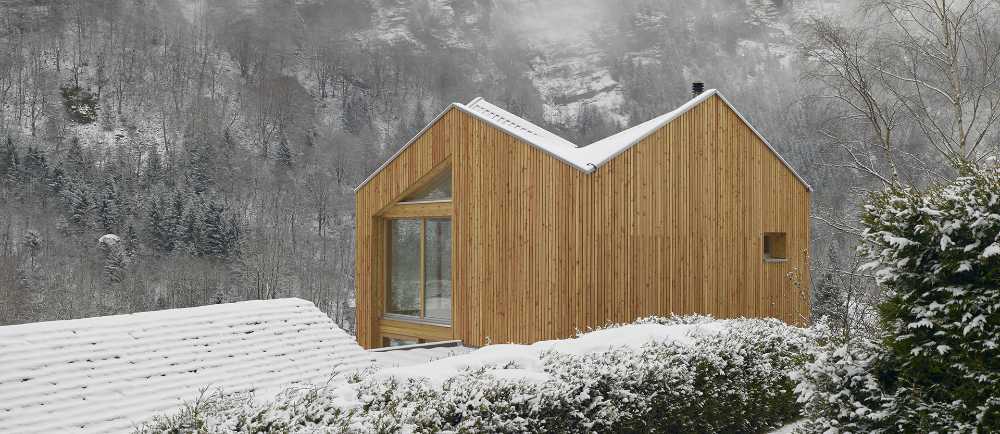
(487, 228)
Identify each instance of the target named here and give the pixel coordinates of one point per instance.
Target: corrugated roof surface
(519, 126)
(115, 372)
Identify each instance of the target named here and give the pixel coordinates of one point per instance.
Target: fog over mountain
(220, 140)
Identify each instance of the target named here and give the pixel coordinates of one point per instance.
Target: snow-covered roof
(585, 158)
(115, 372)
(518, 126)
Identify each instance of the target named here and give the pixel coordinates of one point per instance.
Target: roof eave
(766, 143)
(407, 145)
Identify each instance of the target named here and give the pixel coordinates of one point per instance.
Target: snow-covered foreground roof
(111, 373)
(586, 158)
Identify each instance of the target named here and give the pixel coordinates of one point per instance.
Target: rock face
(109, 240)
(108, 374)
(594, 55)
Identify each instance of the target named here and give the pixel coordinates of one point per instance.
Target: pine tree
(174, 220)
(76, 162)
(131, 243)
(108, 213)
(114, 258)
(10, 164)
(154, 169)
(161, 232)
(233, 233)
(227, 139)
(56, 181)
(213, 241)
(32, 242)
(284, 155)
(35, 164)
(187, 234)
(201, 164)
(79, 199)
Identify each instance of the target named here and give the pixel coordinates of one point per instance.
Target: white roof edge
(527, 139)
(407, 145)
(647, 128)
(589, 158)
(768, 144)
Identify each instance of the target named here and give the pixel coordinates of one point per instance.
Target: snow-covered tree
(213, 235)
(938, 253)
(114, 257)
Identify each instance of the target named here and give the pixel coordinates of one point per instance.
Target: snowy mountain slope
(574, 48)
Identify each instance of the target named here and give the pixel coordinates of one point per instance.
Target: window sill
(775, 260)
(415, 320)
(418, 202)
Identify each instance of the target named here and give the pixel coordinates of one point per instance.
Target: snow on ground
(787, 429)
(107, 374)
(397, 358)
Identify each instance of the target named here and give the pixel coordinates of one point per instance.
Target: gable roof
(586, 158)
(114, 372)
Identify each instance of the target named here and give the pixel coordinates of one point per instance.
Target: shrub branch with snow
(938, 369)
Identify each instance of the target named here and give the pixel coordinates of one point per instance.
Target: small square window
(775, 246)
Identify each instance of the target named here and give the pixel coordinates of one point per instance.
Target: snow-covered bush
(938, 253)
(295, 410)
(841, 391)
(718, 376)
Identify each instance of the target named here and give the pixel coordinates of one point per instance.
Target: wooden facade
(673, 224)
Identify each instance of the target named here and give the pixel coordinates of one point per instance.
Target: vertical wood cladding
(541, 249)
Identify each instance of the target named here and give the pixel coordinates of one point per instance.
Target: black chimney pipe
(697, 88)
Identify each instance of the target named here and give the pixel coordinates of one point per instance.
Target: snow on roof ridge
(111, 373)
(514, 121)
(585, 158)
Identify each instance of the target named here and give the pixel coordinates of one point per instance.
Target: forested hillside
(220, 140)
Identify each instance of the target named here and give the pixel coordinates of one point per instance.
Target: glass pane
(438, 189)
(393, 342)
(404, 268)
(437, 270)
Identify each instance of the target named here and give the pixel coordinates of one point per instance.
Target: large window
(420, 269)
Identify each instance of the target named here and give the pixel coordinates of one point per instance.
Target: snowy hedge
(688, 374)
(841, 390)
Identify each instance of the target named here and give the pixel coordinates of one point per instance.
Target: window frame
(437, 176)
(779, 237)
(421, 294)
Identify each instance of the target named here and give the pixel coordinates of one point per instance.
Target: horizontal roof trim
(584, 158)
